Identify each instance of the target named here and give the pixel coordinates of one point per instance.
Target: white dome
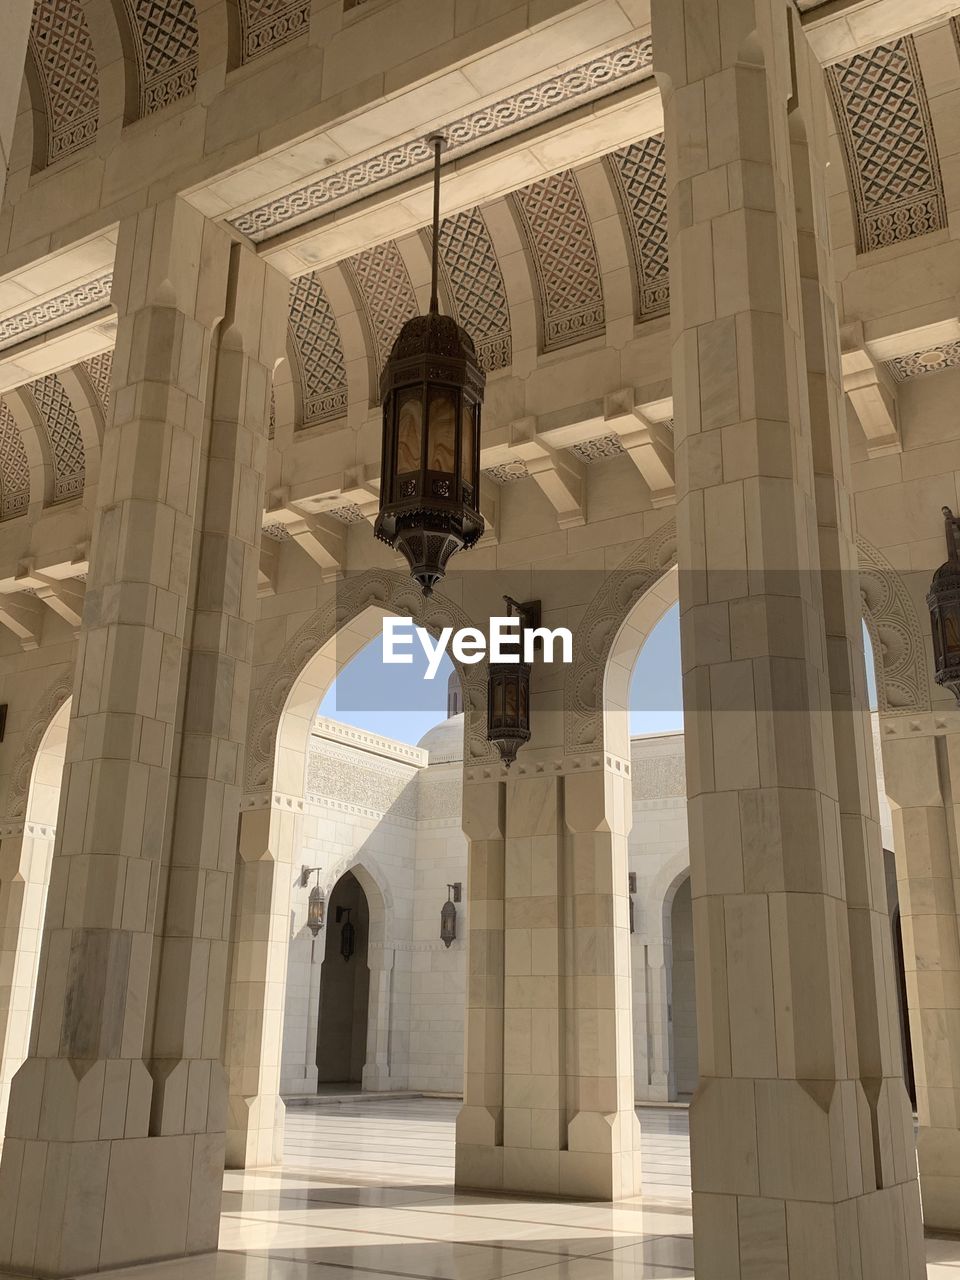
(444, 741)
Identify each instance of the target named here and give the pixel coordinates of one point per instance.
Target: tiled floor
(366, 1194)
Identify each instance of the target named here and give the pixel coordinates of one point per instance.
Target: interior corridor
(366, 1193)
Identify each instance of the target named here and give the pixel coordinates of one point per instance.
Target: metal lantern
(448, 914)
(348, 933)
(631, 890)
(316, 903)
(432, 390)
(508, 691)
(943, 600)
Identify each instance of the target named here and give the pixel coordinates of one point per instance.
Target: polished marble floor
(366, 1194)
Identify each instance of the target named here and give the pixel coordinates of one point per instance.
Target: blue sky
(397, 701)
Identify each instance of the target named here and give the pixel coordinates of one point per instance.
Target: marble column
(549, 1104)
(922, 777)
(13, 57)
(376, 1069)
(117, 1118)
(793, 1175)
(255, 1003)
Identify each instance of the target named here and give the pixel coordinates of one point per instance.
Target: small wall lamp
(316, 904)
(631, 890)
(348, 932)
(448, 914)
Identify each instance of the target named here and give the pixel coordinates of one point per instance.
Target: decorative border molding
(78, 301)
(899, 645)
(266, 24)
(550, 97)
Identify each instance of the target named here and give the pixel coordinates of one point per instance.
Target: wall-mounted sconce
(316, 904)
(448, 914)
(348, 933)
(508, 690)
(631, 891)
(943, 601)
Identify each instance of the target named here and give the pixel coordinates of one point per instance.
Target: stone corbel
(22, 614)
(649, 444)
(360, 486)
(872, 393)
(490, 510)
(560, 476)
(269, 567)
(324, 540)
(63, 595)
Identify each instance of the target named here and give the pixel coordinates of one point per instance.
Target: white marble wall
(403, 830)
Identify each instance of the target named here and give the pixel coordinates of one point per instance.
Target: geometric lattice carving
(349, 513)
(540, 101)
(560, 241)
(14, 468)
(476, 287)
(67, 72)
(387, 296)
(323, 374)
(77, 301)
(507, 472)
(165, 37)
(888, 144)
(596, 450)
(898, 639)
(268, 23)
(99, 369)
(63, 435)
(640, 178)
(946, 356)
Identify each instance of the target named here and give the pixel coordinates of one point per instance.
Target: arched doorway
(683, 996)
(344, 987)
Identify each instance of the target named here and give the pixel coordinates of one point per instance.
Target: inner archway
(344, 987)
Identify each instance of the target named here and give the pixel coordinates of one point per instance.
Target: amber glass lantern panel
(409, 430)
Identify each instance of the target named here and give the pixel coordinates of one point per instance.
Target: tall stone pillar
(376, 1069)
(922, 776)
(549, 1102)
(794, 1175)
(258, 968)
(13, 57)
(117, 1118)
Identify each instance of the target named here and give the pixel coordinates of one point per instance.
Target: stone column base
(255, 1131)
(601, 1161)
(155, 1198)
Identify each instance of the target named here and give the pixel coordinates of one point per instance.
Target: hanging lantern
(316, 903)
(432, 390)
(448, 914)
(631, 890)
(348, 934)
(315, 907)
(508, 691)
(943, 600)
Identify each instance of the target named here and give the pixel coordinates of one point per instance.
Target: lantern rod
(437, 141)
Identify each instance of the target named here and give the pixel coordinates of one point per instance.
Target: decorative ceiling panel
(165, 34)
(14, 468)
(888, 144)
(507, 472)
(600, 447)
(323, 375)
(560, 241)
(268, 23)
(99, 370)
(386, 295)
(68, 74)
(541, 101)
(63, 435)
(946, 356)
(476, 286)
(640, 178)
